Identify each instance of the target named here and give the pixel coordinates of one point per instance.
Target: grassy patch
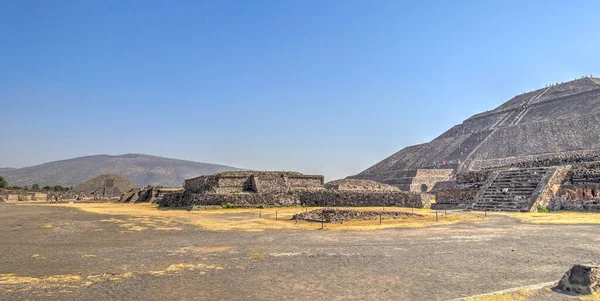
(521, 295)
(558, 218)
(258, 256)
(147, 216)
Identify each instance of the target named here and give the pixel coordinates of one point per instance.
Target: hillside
(142, 169)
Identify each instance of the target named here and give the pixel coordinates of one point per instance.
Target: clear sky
(326, 87)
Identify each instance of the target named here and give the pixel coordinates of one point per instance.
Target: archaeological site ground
(504, 206)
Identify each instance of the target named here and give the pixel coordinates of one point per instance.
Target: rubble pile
(338, 216)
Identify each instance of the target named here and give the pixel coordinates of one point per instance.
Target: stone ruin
(8, 196)
(581, 280)
(540, 148)
(106, 187)
(339, 216)
(148, 195)
(274, 189)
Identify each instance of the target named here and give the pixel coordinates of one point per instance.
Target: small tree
(35, 187)
(47, 187)
(3, 182)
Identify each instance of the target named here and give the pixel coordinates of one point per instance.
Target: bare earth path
(61, 253)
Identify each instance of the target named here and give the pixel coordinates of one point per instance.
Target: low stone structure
(581, 279)
(338, 216)
(151, 195)
(22, 196)
(273, 189)
(360, 185)
(106, 186)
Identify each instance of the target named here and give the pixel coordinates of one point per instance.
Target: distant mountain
(141, 169)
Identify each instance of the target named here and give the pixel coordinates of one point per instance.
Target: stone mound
(581, 279)
(106, 186)
(359, 185)
(338, 216)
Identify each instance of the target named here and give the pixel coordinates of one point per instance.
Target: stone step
(517, 187)
(511, 190)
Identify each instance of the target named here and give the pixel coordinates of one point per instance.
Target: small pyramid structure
(109, 185)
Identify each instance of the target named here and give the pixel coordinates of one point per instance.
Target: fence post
(485, 213)
(275, 214)
(259, 214)
(380, 219)
(436, 216)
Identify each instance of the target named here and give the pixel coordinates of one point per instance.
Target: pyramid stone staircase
(512, 189)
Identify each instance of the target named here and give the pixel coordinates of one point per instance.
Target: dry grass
(556, 218)
(594, 297)
(258, 256)
(14, 279)
(148, 216)
(521, 295)
(180, 267)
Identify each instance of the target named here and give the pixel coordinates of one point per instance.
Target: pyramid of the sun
(558, 123)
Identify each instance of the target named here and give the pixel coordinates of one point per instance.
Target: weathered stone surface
(337, 216)
(359, 185)
(106, 186)
(330, 198)
(273, 189)
(581, 279)
(553, 126)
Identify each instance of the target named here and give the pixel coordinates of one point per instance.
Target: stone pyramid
(558, 122)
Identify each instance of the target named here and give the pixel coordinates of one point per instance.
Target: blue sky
(326, 87)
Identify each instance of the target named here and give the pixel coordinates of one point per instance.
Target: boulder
(581, 279)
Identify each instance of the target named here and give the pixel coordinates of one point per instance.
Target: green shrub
(543, 209)
(259, 206)
(227, 206)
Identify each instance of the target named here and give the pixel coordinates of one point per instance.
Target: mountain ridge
(142, 169)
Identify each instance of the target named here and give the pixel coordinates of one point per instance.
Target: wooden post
(380, 219)
(259, 214)
(485, 213)
(296, 218)
(275, 214)
(436, 216)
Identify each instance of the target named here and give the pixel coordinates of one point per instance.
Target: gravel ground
(61, 253)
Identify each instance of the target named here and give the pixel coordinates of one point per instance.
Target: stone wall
(459, 197)
(253, 181)
(245, 199)
(425, 179)
(305, 181)
(553, 186)
(307, 198)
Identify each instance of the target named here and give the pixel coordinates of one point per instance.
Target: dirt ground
(68, 253)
